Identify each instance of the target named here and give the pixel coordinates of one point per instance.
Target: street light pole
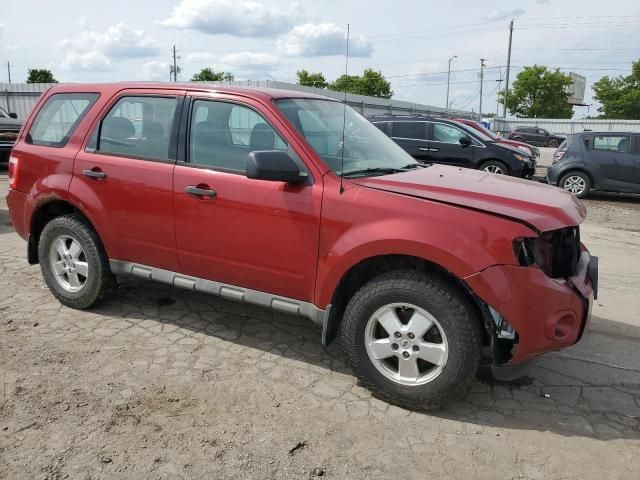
(482, 60)
(449, 82)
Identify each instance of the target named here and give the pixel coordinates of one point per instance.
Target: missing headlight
(525, 250)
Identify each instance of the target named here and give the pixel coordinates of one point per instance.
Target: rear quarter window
(58, 118)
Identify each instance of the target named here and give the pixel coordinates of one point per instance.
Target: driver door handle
(95, 173)
(199, 192)
(434, 149)
(424, 149)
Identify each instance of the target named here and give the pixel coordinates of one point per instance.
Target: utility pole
(9, 71)
(174, 69)
(499, 80)
(482, 60)
(506, 84)
(448, 83)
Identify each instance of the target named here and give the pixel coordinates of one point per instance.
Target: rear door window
(58, 118)
(447, 134)
(612, 143)
(139, 127)
(412, 130)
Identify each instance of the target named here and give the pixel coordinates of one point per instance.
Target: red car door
(125, 176)
(254, 234)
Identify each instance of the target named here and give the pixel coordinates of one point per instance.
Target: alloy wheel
(575, 184)
(69, 263)
(406, 344)
(493, 169)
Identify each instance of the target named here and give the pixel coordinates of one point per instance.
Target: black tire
(576, 173)
(456, 317)
(553, 143)
(495, 164)
(99, 282)
(518, 139)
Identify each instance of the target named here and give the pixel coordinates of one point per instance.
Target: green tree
(539, 93)
(371, 83)
(619, 97)
(208, 75)
(311, 79)
(40, 75)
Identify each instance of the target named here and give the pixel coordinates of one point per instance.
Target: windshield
(489, 133)
(3, 113)
(366, 149)
(481, 134)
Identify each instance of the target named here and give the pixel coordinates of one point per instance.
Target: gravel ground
(160, 384)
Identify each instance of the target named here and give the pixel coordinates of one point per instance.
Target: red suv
(296, 202)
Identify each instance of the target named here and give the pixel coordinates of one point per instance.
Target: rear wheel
(73, 262)
(553, 143)
(495, 166)
(577, 183)
(412, 339)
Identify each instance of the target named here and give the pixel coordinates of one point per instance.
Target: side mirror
(465, 141)
(13, 115)
(275, 166)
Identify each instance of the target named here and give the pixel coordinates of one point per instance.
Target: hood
(540, 206)
(514, 143)
(10, 124)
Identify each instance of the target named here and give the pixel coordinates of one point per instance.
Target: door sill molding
(223, 290)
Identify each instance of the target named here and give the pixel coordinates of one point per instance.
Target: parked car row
(450, 142)
(295, 202)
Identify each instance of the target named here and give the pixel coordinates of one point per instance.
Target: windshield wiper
(374, 171)
(417, 165)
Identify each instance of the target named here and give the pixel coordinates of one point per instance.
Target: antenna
(344, 111)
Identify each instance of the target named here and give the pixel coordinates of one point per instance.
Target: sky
(409, 41)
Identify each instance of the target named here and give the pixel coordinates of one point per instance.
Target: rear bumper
(547, 314)
(17, 203)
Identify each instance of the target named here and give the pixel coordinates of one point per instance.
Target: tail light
(557, 157)
(13, 172)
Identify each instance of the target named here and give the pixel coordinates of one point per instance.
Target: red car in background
(530, 149)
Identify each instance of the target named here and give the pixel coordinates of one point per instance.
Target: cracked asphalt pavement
(159, 383)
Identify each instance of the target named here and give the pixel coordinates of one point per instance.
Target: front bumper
(546, 313)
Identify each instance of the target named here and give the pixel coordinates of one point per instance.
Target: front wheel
(494, 166)
(577, 183)
(74, 264)
(413, 339)
(553, 143)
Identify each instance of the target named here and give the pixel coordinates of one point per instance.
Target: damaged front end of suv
(541, 305)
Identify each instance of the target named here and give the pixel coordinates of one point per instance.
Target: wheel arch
(366, 269)
(502, 162)
(43, 214)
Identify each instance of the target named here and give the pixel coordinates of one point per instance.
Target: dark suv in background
(440, 140)
(9, 128)
(605, 161)
(535, 136)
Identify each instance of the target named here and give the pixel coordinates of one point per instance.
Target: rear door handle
(424, 149)
(199, 192)
(95, 173)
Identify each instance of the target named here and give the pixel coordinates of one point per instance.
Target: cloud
(118, 41)
(199, 57)
(322, 39)
(241, 18)
(496, 15)
(250, 61)
(542, 2)
(154, 70)
(92, 60)
(240, 64)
